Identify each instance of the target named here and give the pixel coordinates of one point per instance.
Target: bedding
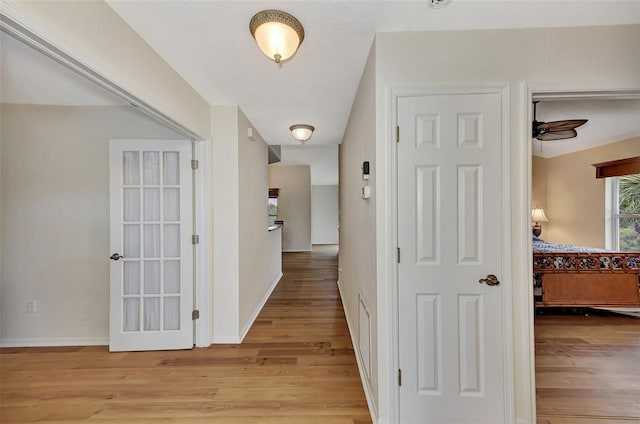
(568, 275)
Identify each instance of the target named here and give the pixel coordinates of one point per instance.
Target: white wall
(225, 231)
(323, 160)
(324, 214)
(94, 33)
(259, 270)
(357, 257)
(55, 219)
(245, 269)
(294, 205)
(588, 57)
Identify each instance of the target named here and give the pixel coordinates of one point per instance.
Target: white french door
(450, 232)
(151, 272)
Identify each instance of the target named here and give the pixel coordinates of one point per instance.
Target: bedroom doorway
(583, 352)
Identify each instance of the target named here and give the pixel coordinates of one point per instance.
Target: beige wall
(55, 219)
(538, 183)
(575, 199)
(225, 232)
(294, 205)
(94, 34)
(357, 261)
(245, 268)
(259, 269)
(584, 58)
(324, 214)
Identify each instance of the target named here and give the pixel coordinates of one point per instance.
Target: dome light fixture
(301, 132)
(277, 33)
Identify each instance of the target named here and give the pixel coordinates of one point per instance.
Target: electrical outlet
(31, 306)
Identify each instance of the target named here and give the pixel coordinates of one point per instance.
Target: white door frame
(551, 91)
(390, 257)
(202, 254)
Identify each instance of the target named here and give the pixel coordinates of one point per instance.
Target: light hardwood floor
(296, 365)
(587, 369)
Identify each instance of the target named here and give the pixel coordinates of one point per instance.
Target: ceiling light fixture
(277, 33)
(301, 132)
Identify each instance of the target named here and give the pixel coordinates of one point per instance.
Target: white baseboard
(297, 250)
(226, 340)
(522, 421)
(80, 341)
(365, 382)
(266, 296)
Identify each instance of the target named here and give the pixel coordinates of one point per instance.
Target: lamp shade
(277, 33)
(537, 215)
(301, 132)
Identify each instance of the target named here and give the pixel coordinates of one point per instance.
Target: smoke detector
(437, 4)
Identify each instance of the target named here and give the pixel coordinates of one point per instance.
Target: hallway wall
(603, 57)
(294, 205)
(324, 214)
(54, 178)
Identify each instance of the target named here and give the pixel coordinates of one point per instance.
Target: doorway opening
(583, 344)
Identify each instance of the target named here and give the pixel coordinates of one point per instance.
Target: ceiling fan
(555, 130)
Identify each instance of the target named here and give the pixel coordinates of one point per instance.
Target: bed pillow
(536, 238)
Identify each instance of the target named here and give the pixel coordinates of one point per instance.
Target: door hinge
(398, 255)
(399, 377)
(397, 134)
(195, 164)
(195, 239)
(195, 314)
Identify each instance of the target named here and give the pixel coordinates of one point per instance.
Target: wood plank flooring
(587, 369)
(296, 366)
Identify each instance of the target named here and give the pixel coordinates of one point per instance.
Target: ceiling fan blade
(555, 126)
(557, 135)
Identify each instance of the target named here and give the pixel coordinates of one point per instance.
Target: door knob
(490, 280)
(115, 256)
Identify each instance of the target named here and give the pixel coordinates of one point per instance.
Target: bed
(567, 275)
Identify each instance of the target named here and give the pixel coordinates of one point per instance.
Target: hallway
(296, 365)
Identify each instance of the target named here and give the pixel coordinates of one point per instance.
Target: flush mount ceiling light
(301, 132)
(277, 33)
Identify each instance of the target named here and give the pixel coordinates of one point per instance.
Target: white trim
(523, 421)
(563, 95)
(73, 341)
(393, 94)
(203, 289)
(373, 411)
(610, 212)
(253, 317)
(297, 251)
(226, 340)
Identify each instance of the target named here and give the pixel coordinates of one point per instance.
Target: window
(626, 212)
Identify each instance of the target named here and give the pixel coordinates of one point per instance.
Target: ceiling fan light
(301, 132)
(277, 33)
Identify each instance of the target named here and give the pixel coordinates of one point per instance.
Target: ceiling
(609, 121)
(210, 46)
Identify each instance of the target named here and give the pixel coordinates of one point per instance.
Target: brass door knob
(490, 280)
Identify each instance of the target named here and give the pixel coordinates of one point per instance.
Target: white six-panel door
(151, 288)
(450, 235)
